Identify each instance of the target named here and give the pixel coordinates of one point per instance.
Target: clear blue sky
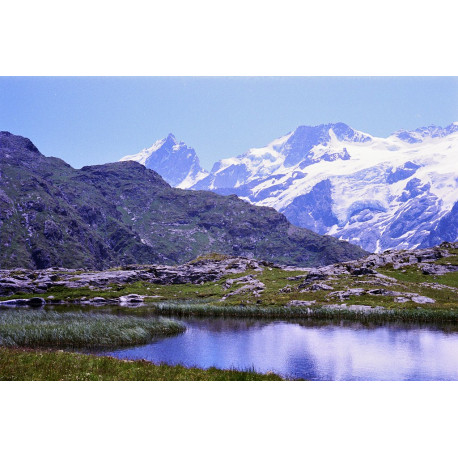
(93, 120)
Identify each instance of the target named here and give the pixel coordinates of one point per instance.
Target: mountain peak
(176, 162)
(11, 142)
(170, 141)
(301, 142)
(380, 193)
(420, 134)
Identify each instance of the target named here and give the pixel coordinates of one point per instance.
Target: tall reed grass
(377, 316)
(20, 328)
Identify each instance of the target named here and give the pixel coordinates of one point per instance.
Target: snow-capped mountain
(176, 162)
(379, 193)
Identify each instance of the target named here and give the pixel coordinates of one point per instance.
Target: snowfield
(379, 193)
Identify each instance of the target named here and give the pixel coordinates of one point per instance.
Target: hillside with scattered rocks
(411, 284)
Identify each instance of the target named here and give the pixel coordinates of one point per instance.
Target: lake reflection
(309, 350)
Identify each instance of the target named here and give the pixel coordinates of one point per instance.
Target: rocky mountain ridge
(123, 213)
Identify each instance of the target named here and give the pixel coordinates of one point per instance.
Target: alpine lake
(304, 349)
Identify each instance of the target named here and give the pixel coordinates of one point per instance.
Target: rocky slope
(123, 213)
(380, 193)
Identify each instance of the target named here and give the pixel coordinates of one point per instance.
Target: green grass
(411, 274)
(210, 257)
(20, 328)
(20, 364)
(453, 260)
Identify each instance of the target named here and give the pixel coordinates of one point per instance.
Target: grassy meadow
(26, 364)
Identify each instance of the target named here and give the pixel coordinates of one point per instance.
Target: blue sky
(94, 120)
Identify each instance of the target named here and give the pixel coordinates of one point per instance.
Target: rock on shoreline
(34, 302)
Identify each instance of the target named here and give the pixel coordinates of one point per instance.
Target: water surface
(308, 350)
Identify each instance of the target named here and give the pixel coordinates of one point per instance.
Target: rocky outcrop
(250, 284)
(437, 269)
(318, 287)
(200, 271)
(332, 283)
(398, 296)
(423, 258)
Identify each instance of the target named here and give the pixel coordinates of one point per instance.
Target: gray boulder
(300, 303)
(34, 302)
(437, 269)
(131, 299)
(344, 295)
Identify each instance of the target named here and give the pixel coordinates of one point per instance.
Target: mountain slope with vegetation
(122, 213)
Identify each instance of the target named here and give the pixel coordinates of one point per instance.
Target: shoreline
(27, 364)
(187, 308)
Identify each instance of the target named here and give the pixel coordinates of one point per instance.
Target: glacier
(398, 192)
